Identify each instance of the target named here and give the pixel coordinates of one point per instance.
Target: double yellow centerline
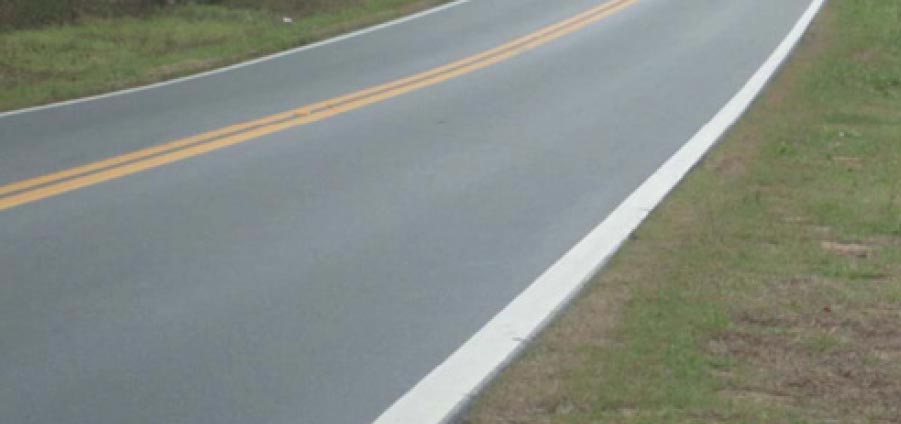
(42, 187)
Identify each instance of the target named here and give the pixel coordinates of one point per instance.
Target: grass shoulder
(767, 288)
(97, 55)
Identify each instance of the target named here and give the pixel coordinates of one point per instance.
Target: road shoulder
(767, 287)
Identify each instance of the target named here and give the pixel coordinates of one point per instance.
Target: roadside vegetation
(53, 50)
(767, 288)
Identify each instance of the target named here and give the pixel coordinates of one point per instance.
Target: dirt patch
(848, 249)
(866, 56)
(849, 162)
(11, 75)
(181, 68)
(730, 166)
(840, 362)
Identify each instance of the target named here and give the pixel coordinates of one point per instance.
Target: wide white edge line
(442, 394)
(310, 46)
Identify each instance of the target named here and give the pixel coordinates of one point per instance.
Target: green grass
(767, 288)
(97, 55)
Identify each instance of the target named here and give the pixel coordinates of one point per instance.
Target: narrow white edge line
(332, 40)
(444, 392)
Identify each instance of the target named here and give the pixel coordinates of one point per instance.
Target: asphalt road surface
(316, 273)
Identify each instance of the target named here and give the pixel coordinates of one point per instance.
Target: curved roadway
(314, 274)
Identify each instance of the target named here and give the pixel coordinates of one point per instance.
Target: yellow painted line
(31, 190)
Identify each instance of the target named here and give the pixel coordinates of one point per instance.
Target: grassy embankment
(98, 54)
(767, 288)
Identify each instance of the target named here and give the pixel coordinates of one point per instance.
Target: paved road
(315, 274)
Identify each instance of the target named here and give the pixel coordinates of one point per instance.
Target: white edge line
(332, 40)
(444, 392)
